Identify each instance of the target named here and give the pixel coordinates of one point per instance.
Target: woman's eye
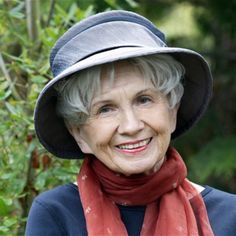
(144, 99)
(105, 109)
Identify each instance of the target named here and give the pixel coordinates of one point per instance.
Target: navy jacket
(58, 212)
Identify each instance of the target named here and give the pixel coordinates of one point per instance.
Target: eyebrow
(107, 101)
(145, 90)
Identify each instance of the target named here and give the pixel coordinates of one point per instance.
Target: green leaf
(4, 95)
(9, 222)
(132, 3)
(16, 12)
(4, 209)
(11, 108)
(17, 15)
(39, 79)
(4, 229)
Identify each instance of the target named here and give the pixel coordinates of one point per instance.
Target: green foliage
(26, 169)
(216, 160)
(24, 164)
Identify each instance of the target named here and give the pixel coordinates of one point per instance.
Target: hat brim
(52, 131)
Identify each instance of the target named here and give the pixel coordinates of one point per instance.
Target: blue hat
(108, 37)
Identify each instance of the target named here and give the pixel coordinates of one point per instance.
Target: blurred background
(29, 28)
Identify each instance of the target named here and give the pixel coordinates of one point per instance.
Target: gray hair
(75, 94)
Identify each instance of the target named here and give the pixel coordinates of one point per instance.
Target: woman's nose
(130, 123)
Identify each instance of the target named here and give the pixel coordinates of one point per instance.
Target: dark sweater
(58, 212)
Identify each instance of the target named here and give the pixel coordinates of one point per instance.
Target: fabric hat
(108, 37)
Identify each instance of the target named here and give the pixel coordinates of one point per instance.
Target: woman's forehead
(119, 74)
(126, 78)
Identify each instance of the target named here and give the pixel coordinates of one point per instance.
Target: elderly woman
(118, 97)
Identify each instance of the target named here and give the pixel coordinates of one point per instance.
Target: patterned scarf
(174, 207)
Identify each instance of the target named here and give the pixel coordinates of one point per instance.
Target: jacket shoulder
(57, 212)
(221, 209)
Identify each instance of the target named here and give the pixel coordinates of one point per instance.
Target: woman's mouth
(133, 147)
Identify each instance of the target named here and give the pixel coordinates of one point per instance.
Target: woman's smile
(133, 147)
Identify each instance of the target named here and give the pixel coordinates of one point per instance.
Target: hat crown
(113, 29)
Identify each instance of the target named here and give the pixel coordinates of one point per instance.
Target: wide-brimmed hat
(108, 37)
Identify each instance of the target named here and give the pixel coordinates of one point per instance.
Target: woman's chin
(136, 168)
(138, 165)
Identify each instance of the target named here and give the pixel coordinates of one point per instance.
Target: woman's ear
(173, 117)
(79, 138)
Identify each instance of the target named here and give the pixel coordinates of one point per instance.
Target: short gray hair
(75, 94)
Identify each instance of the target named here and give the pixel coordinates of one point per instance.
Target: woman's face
(130, 123)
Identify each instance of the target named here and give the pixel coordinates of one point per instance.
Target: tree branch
(51, 11)
(8, 78)
(32, 16)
